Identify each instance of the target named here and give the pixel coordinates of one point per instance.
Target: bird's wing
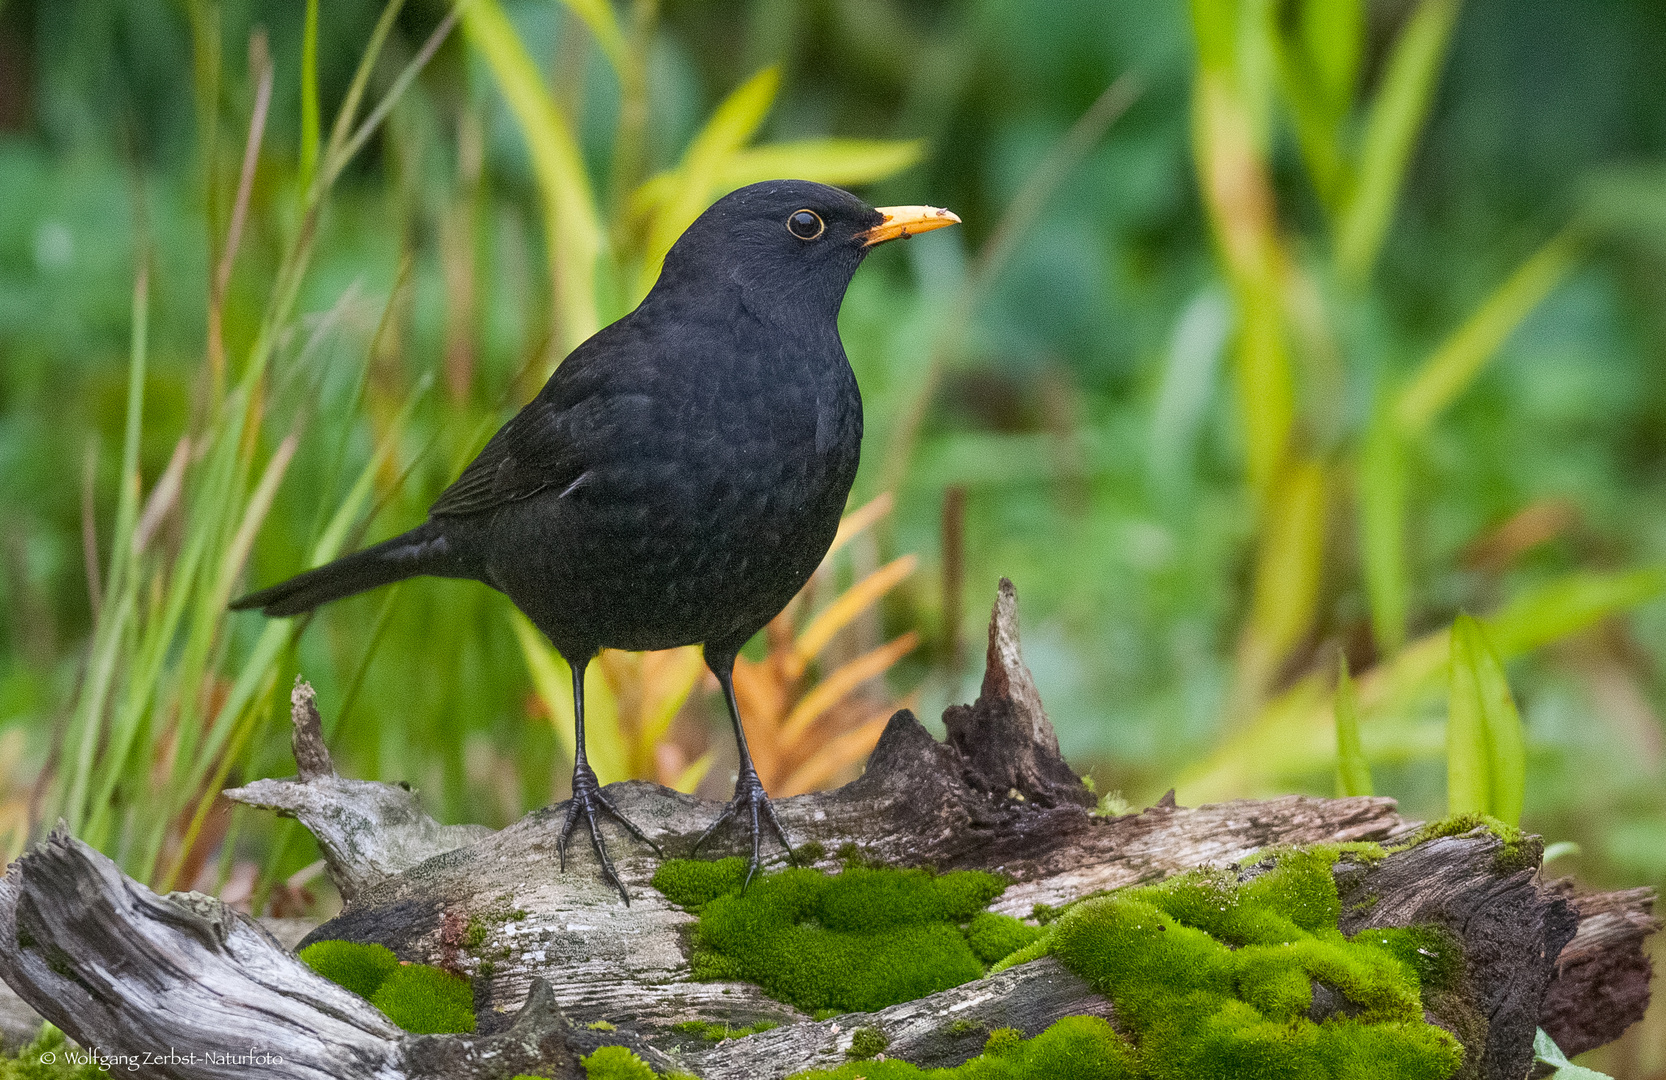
(539, 447)
(522, 459)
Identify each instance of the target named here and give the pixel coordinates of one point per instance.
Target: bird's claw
(750, 797)
(587, 800)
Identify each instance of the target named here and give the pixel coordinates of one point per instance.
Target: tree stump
(129, 972)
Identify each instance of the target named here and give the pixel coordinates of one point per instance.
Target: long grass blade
(1393, 121)
(1380, 498)
(1460, 358)
(308, 165)
(847, 677)
(572, 222)
(1353, 772)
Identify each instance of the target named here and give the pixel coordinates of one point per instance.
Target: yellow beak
(902, 222)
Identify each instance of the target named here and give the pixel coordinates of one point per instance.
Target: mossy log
(549, 954)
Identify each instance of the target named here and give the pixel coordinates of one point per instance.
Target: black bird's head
(790, 246)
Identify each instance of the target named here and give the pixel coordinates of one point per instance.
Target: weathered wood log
(122, 969)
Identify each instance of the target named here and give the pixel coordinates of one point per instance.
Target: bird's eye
(805, 224)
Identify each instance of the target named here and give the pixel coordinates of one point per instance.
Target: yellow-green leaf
(1392, 124)
(1353, 773)
(571, 222)
(1381, 499)
(1486, 763)
(598, 16)
(1461, 357)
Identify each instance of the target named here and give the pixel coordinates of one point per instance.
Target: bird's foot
(750, 804)
(588, 802)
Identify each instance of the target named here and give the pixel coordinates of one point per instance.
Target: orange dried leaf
(845, 609)
(841, 682)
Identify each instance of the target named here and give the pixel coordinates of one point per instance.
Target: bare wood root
(120, 968)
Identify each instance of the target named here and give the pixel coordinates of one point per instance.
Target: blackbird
(681, 474)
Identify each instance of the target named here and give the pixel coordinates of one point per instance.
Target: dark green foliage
(856, 941)
(867, 1042)
(352, 965)
(995, 937)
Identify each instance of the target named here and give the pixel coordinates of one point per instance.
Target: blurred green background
(1329, 321)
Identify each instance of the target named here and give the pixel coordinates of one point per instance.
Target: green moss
(426, 1000)
(1002, 1042)
(420, 998)
(615, 1063)
(1214, 976)
(601, 1025)
(720, 1032)
(1517, 850)
(1075, 1048)
(475, 934)
(867, 1042)
(813, 851)
(960, 1027)
(352, 965)
(855, 941)
(995, 937)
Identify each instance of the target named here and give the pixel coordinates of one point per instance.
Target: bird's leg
(587, 797)
(750, 801)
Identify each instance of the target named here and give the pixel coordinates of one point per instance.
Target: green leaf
(572, 223)
(309, 99)
(1460, 358)
(1486, 754)
(1333, 38)
(1380, 495)
(1570, 604)
(1392, 124)
(1545, 1050)
(1353, 773)
(843, 162)
(1318, 67)
(598, 17)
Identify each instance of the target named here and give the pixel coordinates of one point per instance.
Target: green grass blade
(1468, 751)
(309, 99)
(572, 222)
(1456, 363)
(842, 162)
(1380, 496)
(1353, 772)
(1393, 121)
(598, 17)
(1486, 752)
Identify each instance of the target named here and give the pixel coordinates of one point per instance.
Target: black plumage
(681, 474)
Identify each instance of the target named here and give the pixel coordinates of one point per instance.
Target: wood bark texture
(127, 971)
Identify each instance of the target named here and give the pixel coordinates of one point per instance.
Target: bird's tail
(423, 550)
